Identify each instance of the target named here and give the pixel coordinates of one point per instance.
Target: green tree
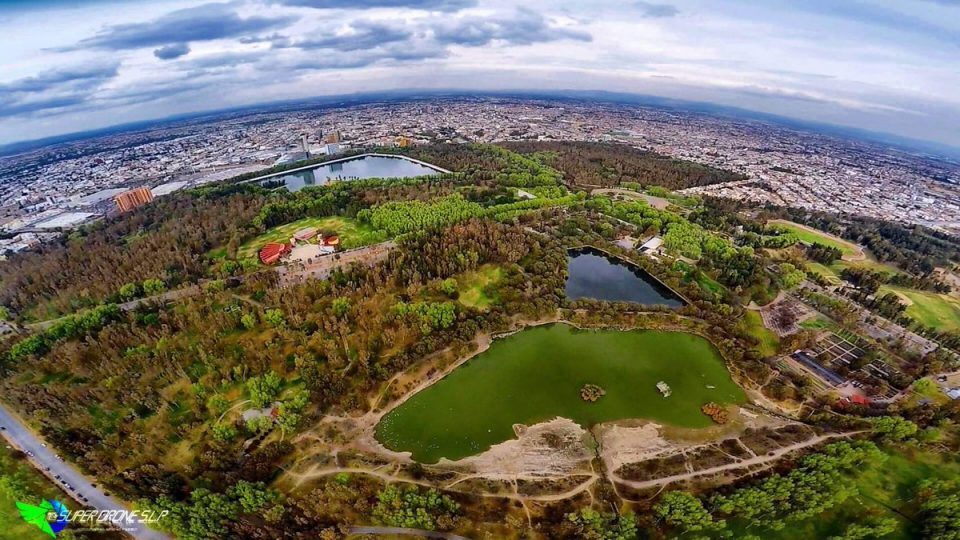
(594, 525)
(264, 389)
(153, 287)
(129, 291)
(260, 425)
(682, 511)
(448, 286)
(223, 432)
(340, 306)
(248, 320)
(415, 508)
(874, 528)
(217, 404)
(274, 317)
(893, 428)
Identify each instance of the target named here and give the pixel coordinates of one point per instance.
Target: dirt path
(765, 461)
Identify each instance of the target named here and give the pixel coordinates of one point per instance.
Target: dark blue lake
(593, 274)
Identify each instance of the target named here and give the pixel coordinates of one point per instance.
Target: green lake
(536, 375)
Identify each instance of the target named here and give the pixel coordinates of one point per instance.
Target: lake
(353, 169)
(593, 274)
(536, 375)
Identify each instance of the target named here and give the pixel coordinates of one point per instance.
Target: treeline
(592, 164)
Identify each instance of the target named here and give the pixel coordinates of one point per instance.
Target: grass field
(352, 234)
(752, 323)
(473, 287)
(833, 271)
(810, 236)
(939, 311)
(21, 482)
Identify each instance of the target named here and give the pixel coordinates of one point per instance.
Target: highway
(21, 437)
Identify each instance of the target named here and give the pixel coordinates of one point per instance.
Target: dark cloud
(201, 23)
(430, 5)
(657, 11)
(53, 90)
(172, 51)
(525, 27)
(360, 36)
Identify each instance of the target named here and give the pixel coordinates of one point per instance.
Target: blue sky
(883, 65)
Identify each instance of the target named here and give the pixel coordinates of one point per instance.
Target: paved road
(20, 437)
(401, 531)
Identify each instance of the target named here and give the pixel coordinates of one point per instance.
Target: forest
(592, 164)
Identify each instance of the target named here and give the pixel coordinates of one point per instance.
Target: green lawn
(352, 234)
(939, 311)
(752, 323)
(809, 236)
(833, 271)
(474, 287)
(21, 482)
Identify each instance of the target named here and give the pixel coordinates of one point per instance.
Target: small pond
(593, 274)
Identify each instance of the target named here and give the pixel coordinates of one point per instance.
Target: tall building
(128, 200)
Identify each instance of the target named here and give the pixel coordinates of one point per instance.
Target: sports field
(810, 235)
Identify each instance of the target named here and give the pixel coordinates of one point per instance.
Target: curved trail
(765, 460)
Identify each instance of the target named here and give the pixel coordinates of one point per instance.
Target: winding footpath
(764, 460)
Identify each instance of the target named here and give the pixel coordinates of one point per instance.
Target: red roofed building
(272, 252)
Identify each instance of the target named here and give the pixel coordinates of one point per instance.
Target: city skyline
(877, 66)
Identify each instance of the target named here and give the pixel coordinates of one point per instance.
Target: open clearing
(938, 311)
(809, 235)
(752, 323)
(473, 286)
(352, 234)
(537, 374)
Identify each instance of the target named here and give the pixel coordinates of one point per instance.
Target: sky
(883, 65)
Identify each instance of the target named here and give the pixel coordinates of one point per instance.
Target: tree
(939, 510)
(593, 525)
(274, 317)
(129, 291)
(340, 306)
(217, 404)
(893, 428)
(259, 425)
(223, 432)
(263, 389)
(873, 528)
(448, 286)
(789, 276)
(415, 508)
(248, 320)
(682, 511)
(153, 287)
